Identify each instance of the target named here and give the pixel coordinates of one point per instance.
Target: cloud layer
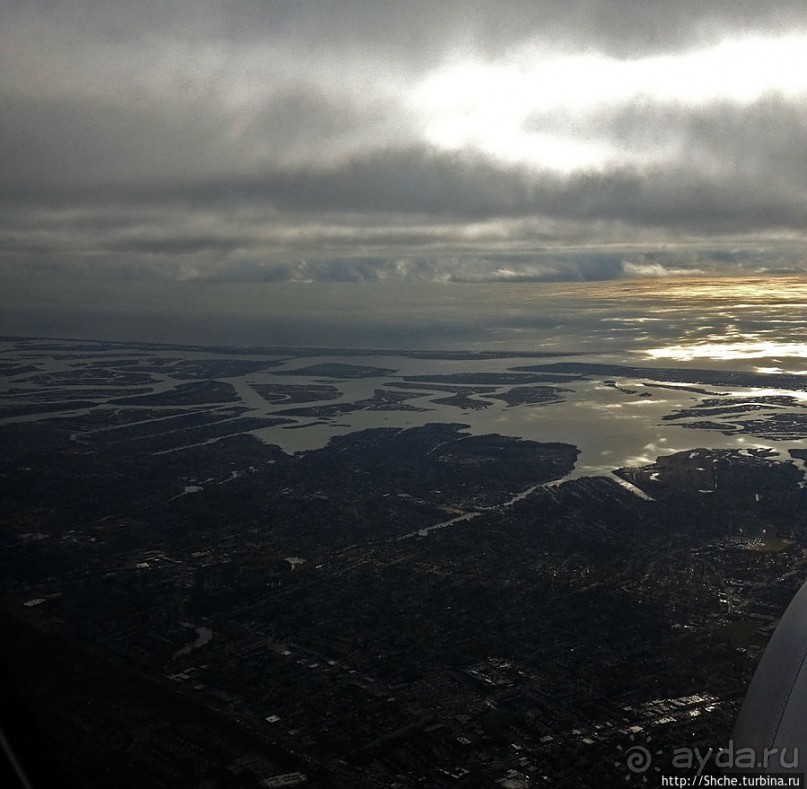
(365, 141)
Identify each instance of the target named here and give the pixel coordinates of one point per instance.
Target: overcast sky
(431, 141)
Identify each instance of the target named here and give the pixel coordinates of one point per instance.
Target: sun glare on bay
(716, 351)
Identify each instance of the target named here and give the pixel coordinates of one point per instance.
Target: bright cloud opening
(487, 105)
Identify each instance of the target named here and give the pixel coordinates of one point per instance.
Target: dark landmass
(18, 369)
(779, 423)
(464, 396)
(307, 424)
(727, 428)
(431, 387)
(735, 405)
(494, 379)
(686, 413)
(785, 401)
(682, 388)
(401, 608)
(382, 400)
(35, 343)
(217, 368)
(532, 395)
(159, 438)
(470, 356)
(108, 418)
(161, 433)
(120, 358)
(684, 375)
(185, 394)
(625, 390)
(464, 400)
(110, 724)
(383, 470)
(336, 370)
(296, 393)
(90, 377)
(554, 622)
(77, 346)
(34, 395)
(8, 411)
(735, 474)
(776, 427)
(194, 369)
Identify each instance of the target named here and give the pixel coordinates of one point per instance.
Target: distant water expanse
(744, 319)
(643, 368)
(751, 322)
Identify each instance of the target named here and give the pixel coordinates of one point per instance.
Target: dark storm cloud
(753, 190)
(767, 137)
(541, 268)
(55, 145)
(413, 29)
(174, 246)
(721, 167)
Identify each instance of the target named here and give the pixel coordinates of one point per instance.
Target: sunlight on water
(729, 320)
(730, 350)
